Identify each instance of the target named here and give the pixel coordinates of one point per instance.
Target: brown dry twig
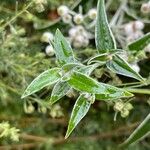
(124, 130)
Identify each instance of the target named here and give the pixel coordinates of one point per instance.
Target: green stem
(139, 91)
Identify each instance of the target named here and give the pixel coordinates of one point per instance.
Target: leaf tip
(128, 94)
(67, 135)
(24, 95)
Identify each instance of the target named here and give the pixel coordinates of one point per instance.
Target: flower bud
(78, 19)
(118, 106)
(128, 106)
(128, 29)
(39, 8)
(47, 37)
(42, 109)
(67, 18)
(145, 8)
(138, 25)
(124, 113)
(29, 109)
(73, 32)
(62, 10)
(92, 13)
(49, 50)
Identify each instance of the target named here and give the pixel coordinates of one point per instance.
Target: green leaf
(83, 83)
(141, 43)
(80, 109)
(70, 66)
(120, 66)
(88, 69)
(101, 58)
(46, 78)
(60, 89)
(63, 50)
(103, 36)
(142, 130)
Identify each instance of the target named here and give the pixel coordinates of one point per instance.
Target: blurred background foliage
(22, 58)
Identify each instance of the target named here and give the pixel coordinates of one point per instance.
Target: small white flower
(138, 25)
(128, 29)
(77, 44)
(80, 29)
(133, 27)
(30, 109)
(49, 50)
(42, 109)
(47, 37)
(128, 106)
(124, 113)
(62, 10)
(145, 8)
(79, 41)
(92, 13)
(73, 32)
(67, 18)
(118, 106)
(78, 19)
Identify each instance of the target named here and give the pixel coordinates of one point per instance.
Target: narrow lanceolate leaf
(63, 50)
(103, 35)
(140, 44)
(84, 83)
(141, 131)
(69, 66)
(60, 89)
(80, 109)
(101, 58)
(46, 78)
(120, 66)
(88, 69)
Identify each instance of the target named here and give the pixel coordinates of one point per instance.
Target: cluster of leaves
(72, 74)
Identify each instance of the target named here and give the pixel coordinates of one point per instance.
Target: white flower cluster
(79, 37)
(78, 34)
(145, 8)
(56, 111)
(133, 30)
(7, 131)
(47, 37)
(123, 108)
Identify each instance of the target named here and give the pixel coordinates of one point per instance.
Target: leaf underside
(120, 66)
(46, 78)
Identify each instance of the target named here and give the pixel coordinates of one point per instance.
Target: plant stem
(138, 91)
